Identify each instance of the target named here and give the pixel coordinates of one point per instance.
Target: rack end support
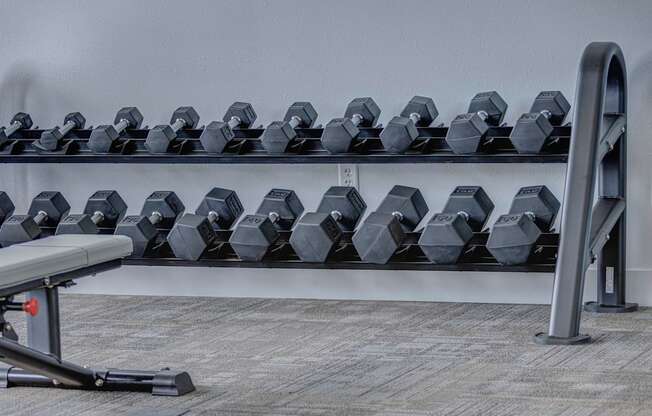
(543, 338)
(606, 308)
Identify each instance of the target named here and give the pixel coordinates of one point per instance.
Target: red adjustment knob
(30, 307)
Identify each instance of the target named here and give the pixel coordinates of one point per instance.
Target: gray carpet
(309, 357)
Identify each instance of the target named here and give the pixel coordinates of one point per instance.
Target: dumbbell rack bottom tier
(408, 257)
(345, 265)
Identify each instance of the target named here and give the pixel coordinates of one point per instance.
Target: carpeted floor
(309, 357)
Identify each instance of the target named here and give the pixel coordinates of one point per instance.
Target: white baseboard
(346, 284)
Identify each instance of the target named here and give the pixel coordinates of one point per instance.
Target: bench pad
(34, 260)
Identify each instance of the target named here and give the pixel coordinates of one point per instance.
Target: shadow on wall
(639, 155)
(15, 87)
(640, 77)
(24, 88)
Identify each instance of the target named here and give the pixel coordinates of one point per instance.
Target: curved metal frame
(593, 233)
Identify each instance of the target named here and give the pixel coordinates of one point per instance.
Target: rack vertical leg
(601, 91)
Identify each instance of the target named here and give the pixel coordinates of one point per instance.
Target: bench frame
(39, 364)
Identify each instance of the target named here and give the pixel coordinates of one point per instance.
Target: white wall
(96, 56)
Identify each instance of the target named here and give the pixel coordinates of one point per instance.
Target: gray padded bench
(27, 265)
(38, 268)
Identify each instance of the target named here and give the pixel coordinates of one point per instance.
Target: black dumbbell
(217, 134)
(533, 130)
(278, 135)
(160, 138)
(383, 231)
(46, 210)
(317, 233)
(194, 234)
(160, 211)
(255, 234)
(103, 209)
(50, 139)
(447, 233)
(19, 122)
(467, 132)
(340, 133)
(513, 236)
(6, 207)
(401, 131)
(103, 137)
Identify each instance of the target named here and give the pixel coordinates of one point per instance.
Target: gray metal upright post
(589, 233)
(43, 330)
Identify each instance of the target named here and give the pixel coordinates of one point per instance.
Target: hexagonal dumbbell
(278, 135)
(533, 130)
(383, 231)
(340, 133)
(467, 132)
(160, 211)
(51, 139)
(194, 234)
(20, 121)
(401, 131)
(160, 138)
(217, 134)
(46, 210)
(255, 234)
(103, 209)
(104, 137)
(513, 235)
(317, 233)
(447, 233)
(6, 207)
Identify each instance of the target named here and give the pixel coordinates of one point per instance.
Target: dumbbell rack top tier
(594, 148)
(430, 147)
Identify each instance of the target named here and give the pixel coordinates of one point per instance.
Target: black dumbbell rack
(594, 148)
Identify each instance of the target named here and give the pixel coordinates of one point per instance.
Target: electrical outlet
(348, 175)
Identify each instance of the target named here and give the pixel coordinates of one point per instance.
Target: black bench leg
(37, 369)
